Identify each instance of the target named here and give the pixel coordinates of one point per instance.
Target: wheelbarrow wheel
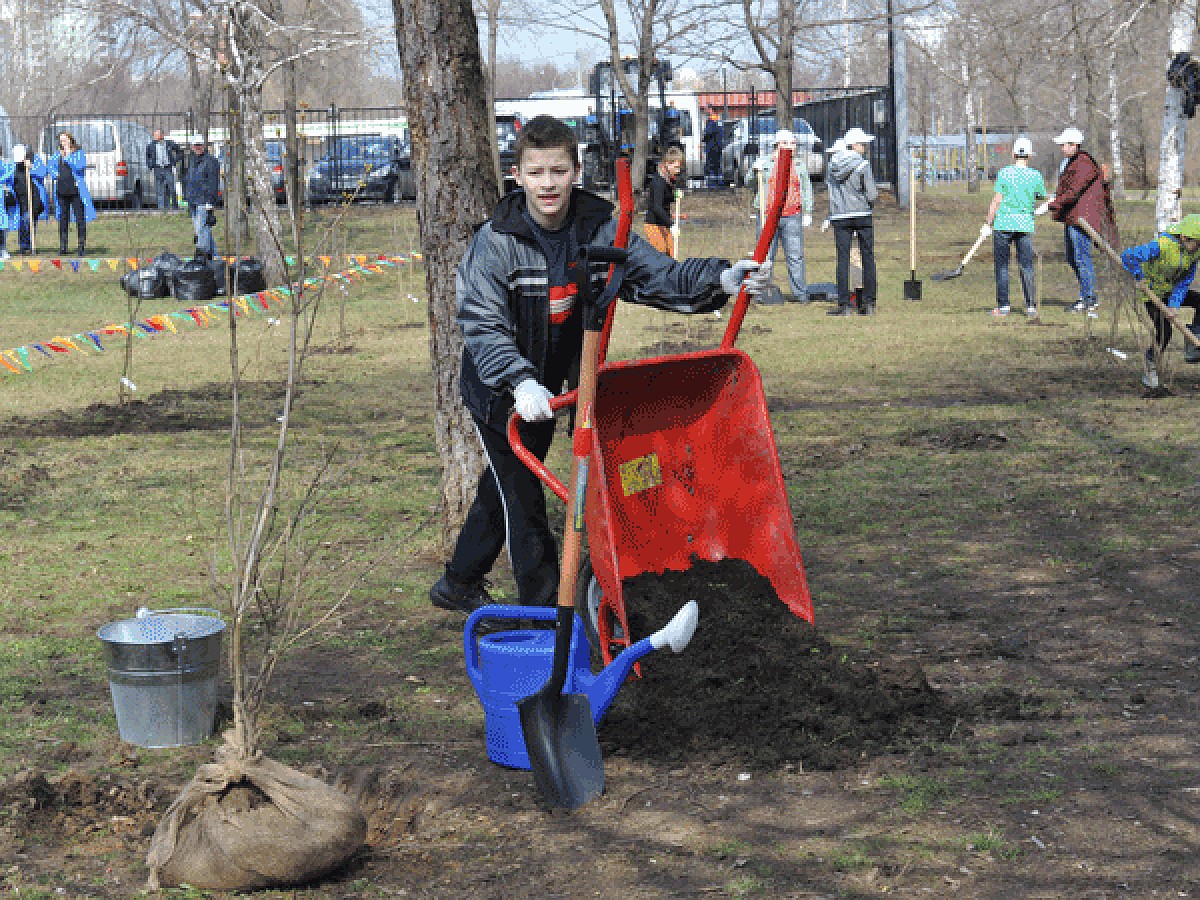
(587, 603)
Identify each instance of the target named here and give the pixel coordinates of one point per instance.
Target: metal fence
(334, 143)
(833, 111)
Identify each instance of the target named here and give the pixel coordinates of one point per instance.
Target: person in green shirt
(1010, 221)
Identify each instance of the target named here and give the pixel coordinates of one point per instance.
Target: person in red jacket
(1082, 195)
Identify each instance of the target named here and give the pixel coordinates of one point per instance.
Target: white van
(116, 159)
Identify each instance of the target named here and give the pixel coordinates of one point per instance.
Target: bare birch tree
(1168, 206)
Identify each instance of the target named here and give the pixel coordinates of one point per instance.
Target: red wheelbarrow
(683, 466)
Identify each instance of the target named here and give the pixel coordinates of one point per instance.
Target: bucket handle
(208, 611)
(496, 611)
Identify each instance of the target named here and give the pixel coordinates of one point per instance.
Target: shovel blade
(564, 751)
(946, 276)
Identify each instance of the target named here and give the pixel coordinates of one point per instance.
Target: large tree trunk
(1168, 207)
(969, 157)
(784, 64)
(444, 92)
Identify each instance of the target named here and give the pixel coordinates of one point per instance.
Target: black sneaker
(459, 596)
(843, 311)
(1077, 306)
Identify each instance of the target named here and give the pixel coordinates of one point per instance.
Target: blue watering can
(507, 666)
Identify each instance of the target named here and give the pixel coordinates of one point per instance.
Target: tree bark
(444, 91)
(1114, 127)
(1168, 207)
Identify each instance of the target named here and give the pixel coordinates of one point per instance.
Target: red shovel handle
(779, 186)
(624, 222)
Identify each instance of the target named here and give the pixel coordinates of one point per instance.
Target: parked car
(748, 144)
(276, 150)
(363, 168)
(116, 158)
(507, 129)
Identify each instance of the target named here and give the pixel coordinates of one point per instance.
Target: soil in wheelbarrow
(759, 687)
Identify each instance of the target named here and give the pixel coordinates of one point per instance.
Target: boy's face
(547, 177)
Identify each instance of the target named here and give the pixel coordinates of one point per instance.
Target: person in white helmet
(794, 218)
(1019, 187)
(1082, 195)
(852, 195)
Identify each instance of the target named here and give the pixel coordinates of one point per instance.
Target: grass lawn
(957, 482)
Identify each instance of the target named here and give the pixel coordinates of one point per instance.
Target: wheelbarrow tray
(685, 467)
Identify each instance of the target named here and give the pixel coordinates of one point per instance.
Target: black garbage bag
(129, 282)
(167, 264)
(195, 282)
(219, 268)
(147, 282)
(249, 276)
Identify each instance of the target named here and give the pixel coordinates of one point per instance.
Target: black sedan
(363, 168)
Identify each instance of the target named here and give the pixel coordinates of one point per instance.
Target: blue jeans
(1079, 257)
(1002, 242)
(790, 235)
(164, 188)
(204, 235)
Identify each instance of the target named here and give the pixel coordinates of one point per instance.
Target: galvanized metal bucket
(162, 671)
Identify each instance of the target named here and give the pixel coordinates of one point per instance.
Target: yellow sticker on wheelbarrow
(640, 474)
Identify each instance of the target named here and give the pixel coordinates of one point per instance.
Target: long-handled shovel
(559, 730)
(946, 276)
(1145, 288)
(912, 287)
(29, 204)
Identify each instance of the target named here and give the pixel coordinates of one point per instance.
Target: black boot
(867, 308)
(843, 309)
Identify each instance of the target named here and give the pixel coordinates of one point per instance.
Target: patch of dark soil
(759, 687)
(204, 408)
(77, 801)
(17, 483)
(956, 437)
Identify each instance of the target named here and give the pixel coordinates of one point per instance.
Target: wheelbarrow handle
(779, 186)
(526, 456)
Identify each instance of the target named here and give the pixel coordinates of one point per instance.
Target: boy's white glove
(1043, 209)
(532, 401)
(806, 221)
(756, 279)
(985, 230)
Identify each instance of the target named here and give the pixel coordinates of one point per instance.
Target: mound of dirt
(759, 687)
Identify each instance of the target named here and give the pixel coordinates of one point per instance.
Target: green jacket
(1166, 266)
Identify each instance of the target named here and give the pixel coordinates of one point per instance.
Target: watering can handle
(496, 611)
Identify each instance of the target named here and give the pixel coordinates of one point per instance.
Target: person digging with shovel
(523, 336)
(1168, 266)
(852, 195)
(1010, 221)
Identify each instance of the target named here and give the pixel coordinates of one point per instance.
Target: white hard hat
(838, 146)
(18, 153)
(783, 136)
(1070, 135)
(1022, 147)
(857, 136)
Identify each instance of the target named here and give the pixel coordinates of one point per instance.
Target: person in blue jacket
(201, 190)
(9, 212)
(28, 175)
(1167, 264)
(71, 195)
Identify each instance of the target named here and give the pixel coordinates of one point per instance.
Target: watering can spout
(601, 689)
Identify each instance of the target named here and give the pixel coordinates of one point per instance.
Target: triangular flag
(112, 263)
(326, 260)
(57, 263)
(94, 265)
(133, 262)
(361, 259)
(74, 265)
(23, 352)
(95, 340)
(35, 265)
(8, 365)
(17, 264)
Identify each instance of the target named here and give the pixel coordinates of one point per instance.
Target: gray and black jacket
(852, 191)
(503, 296)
